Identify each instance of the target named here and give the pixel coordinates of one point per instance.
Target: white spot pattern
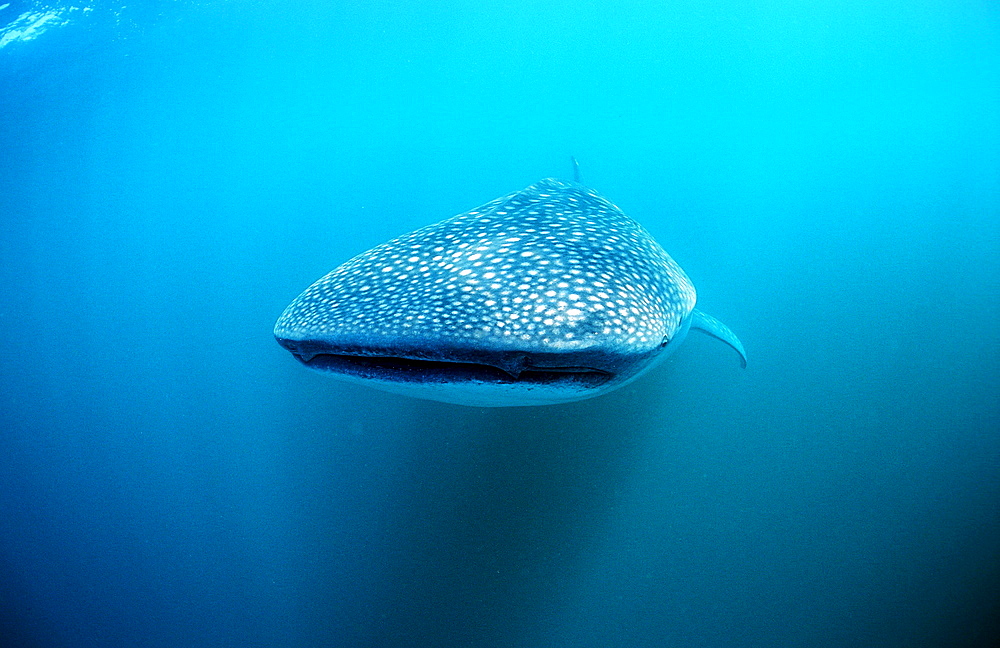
(552, 267)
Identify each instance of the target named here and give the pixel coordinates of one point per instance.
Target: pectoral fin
(718, 330)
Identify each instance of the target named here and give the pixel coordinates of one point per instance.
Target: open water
(173, 173)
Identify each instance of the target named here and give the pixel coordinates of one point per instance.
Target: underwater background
(173, 173)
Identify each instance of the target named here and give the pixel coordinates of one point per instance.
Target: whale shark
(547, 295)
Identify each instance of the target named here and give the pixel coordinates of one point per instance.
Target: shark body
(547, 295)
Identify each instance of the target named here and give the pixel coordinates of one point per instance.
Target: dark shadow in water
(18, 623)
(484, 529)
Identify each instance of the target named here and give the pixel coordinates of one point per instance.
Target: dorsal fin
(708, 324)
(576, 169)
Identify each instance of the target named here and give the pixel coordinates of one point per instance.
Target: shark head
(548, 295)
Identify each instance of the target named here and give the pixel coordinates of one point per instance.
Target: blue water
(172, 174)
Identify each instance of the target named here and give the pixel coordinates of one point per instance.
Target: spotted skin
(547, 295)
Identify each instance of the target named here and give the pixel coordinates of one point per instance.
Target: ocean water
(173, 173)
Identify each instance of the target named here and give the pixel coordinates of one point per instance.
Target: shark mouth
(467, 366)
